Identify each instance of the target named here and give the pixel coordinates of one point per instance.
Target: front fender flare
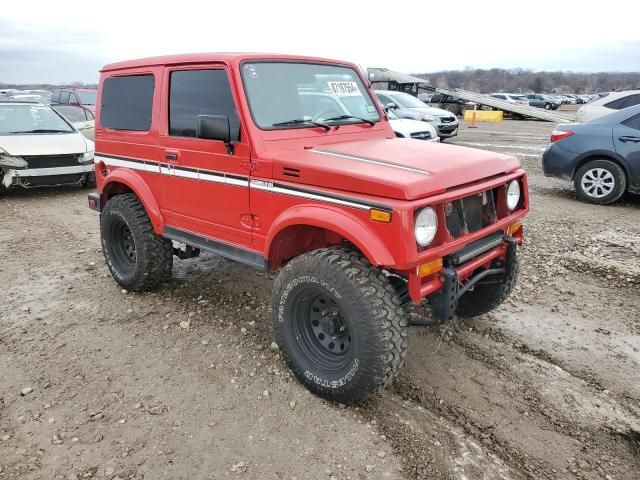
(338, 221)
(134, 181)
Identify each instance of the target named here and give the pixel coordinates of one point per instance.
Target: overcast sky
(65, 42)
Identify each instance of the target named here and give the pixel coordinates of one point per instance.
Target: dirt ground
(184, 383)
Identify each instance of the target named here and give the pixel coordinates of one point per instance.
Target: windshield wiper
(299, 121)
(345, 117)
(44, 130)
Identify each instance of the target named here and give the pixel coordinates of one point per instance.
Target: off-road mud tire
(153, 254)
(484, 298)
(370, 310)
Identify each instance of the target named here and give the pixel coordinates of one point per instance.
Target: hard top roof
(226, 57)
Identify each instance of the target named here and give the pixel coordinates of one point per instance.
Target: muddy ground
(184, 383)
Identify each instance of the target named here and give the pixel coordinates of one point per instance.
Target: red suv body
(229, 153)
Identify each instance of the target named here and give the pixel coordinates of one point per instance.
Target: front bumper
(499, 263)
(447, 130)
(64, 174)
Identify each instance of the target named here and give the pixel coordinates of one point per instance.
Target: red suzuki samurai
(289, 164)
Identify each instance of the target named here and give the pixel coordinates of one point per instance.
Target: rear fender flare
(335, 220)
(137, 185)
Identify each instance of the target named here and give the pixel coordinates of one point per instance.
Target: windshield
(87, 98)
(23, 119)
(407, 101)
(293, 95)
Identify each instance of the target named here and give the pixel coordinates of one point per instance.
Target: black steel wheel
(340, 324)
(322, 328)
(137, 258)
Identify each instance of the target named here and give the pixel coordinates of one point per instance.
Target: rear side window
(56, 97)
(633, 122)
(200, 92)
(624, 102)
(127, 102)
(64, 97)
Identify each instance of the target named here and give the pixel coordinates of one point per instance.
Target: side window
(55, 97)
(632, 100)
(127, 102)
(385, 100)
(633, 122)
(200, 92)
(64, 97)
(624, 102)
(73, 98)
(501, 97)
(88, 114)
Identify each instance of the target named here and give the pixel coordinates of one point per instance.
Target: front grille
(421, 135)
(447, 119)
(446, 128)
(51, 161)
(49, 180)
(470, 214)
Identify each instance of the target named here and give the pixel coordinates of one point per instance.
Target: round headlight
(513, 194)
(426, 226)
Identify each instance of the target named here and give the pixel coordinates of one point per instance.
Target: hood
(436, 112)
(411, 126)
(389, 167)
(43, 144)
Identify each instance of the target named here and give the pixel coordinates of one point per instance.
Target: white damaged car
(39, 147)
(407, 128)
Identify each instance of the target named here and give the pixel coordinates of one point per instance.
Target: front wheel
(547, 106)
(339, 323)
(137, 258)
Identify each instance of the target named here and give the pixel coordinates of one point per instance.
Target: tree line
(522, 80)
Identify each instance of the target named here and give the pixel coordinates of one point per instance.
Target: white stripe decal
(370, 160)
(269, 187)
(213, 177)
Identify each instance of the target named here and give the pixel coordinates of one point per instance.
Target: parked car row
(407, 106)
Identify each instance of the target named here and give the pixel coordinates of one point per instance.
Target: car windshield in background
(72, 113)
(407, 101)
(87, 98)
(31, 119)
(292, 95)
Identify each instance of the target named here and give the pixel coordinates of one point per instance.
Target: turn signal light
(513, 228)
(379, 215)
(429, 268)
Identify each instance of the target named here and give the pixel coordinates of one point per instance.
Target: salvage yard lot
(184, 382)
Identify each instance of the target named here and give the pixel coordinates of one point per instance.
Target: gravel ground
(184, 383)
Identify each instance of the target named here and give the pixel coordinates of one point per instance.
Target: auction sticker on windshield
(344, 89)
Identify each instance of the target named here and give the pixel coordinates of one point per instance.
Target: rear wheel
(137, 258)
(600, 181)
(339, 323)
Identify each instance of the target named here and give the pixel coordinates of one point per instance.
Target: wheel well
(298, 239)
(115, 188)
(591, 158)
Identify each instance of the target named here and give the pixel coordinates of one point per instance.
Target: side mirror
(390, 106)
(215, 127)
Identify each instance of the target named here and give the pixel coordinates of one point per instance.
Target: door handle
(171, 156)
(627, 138)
